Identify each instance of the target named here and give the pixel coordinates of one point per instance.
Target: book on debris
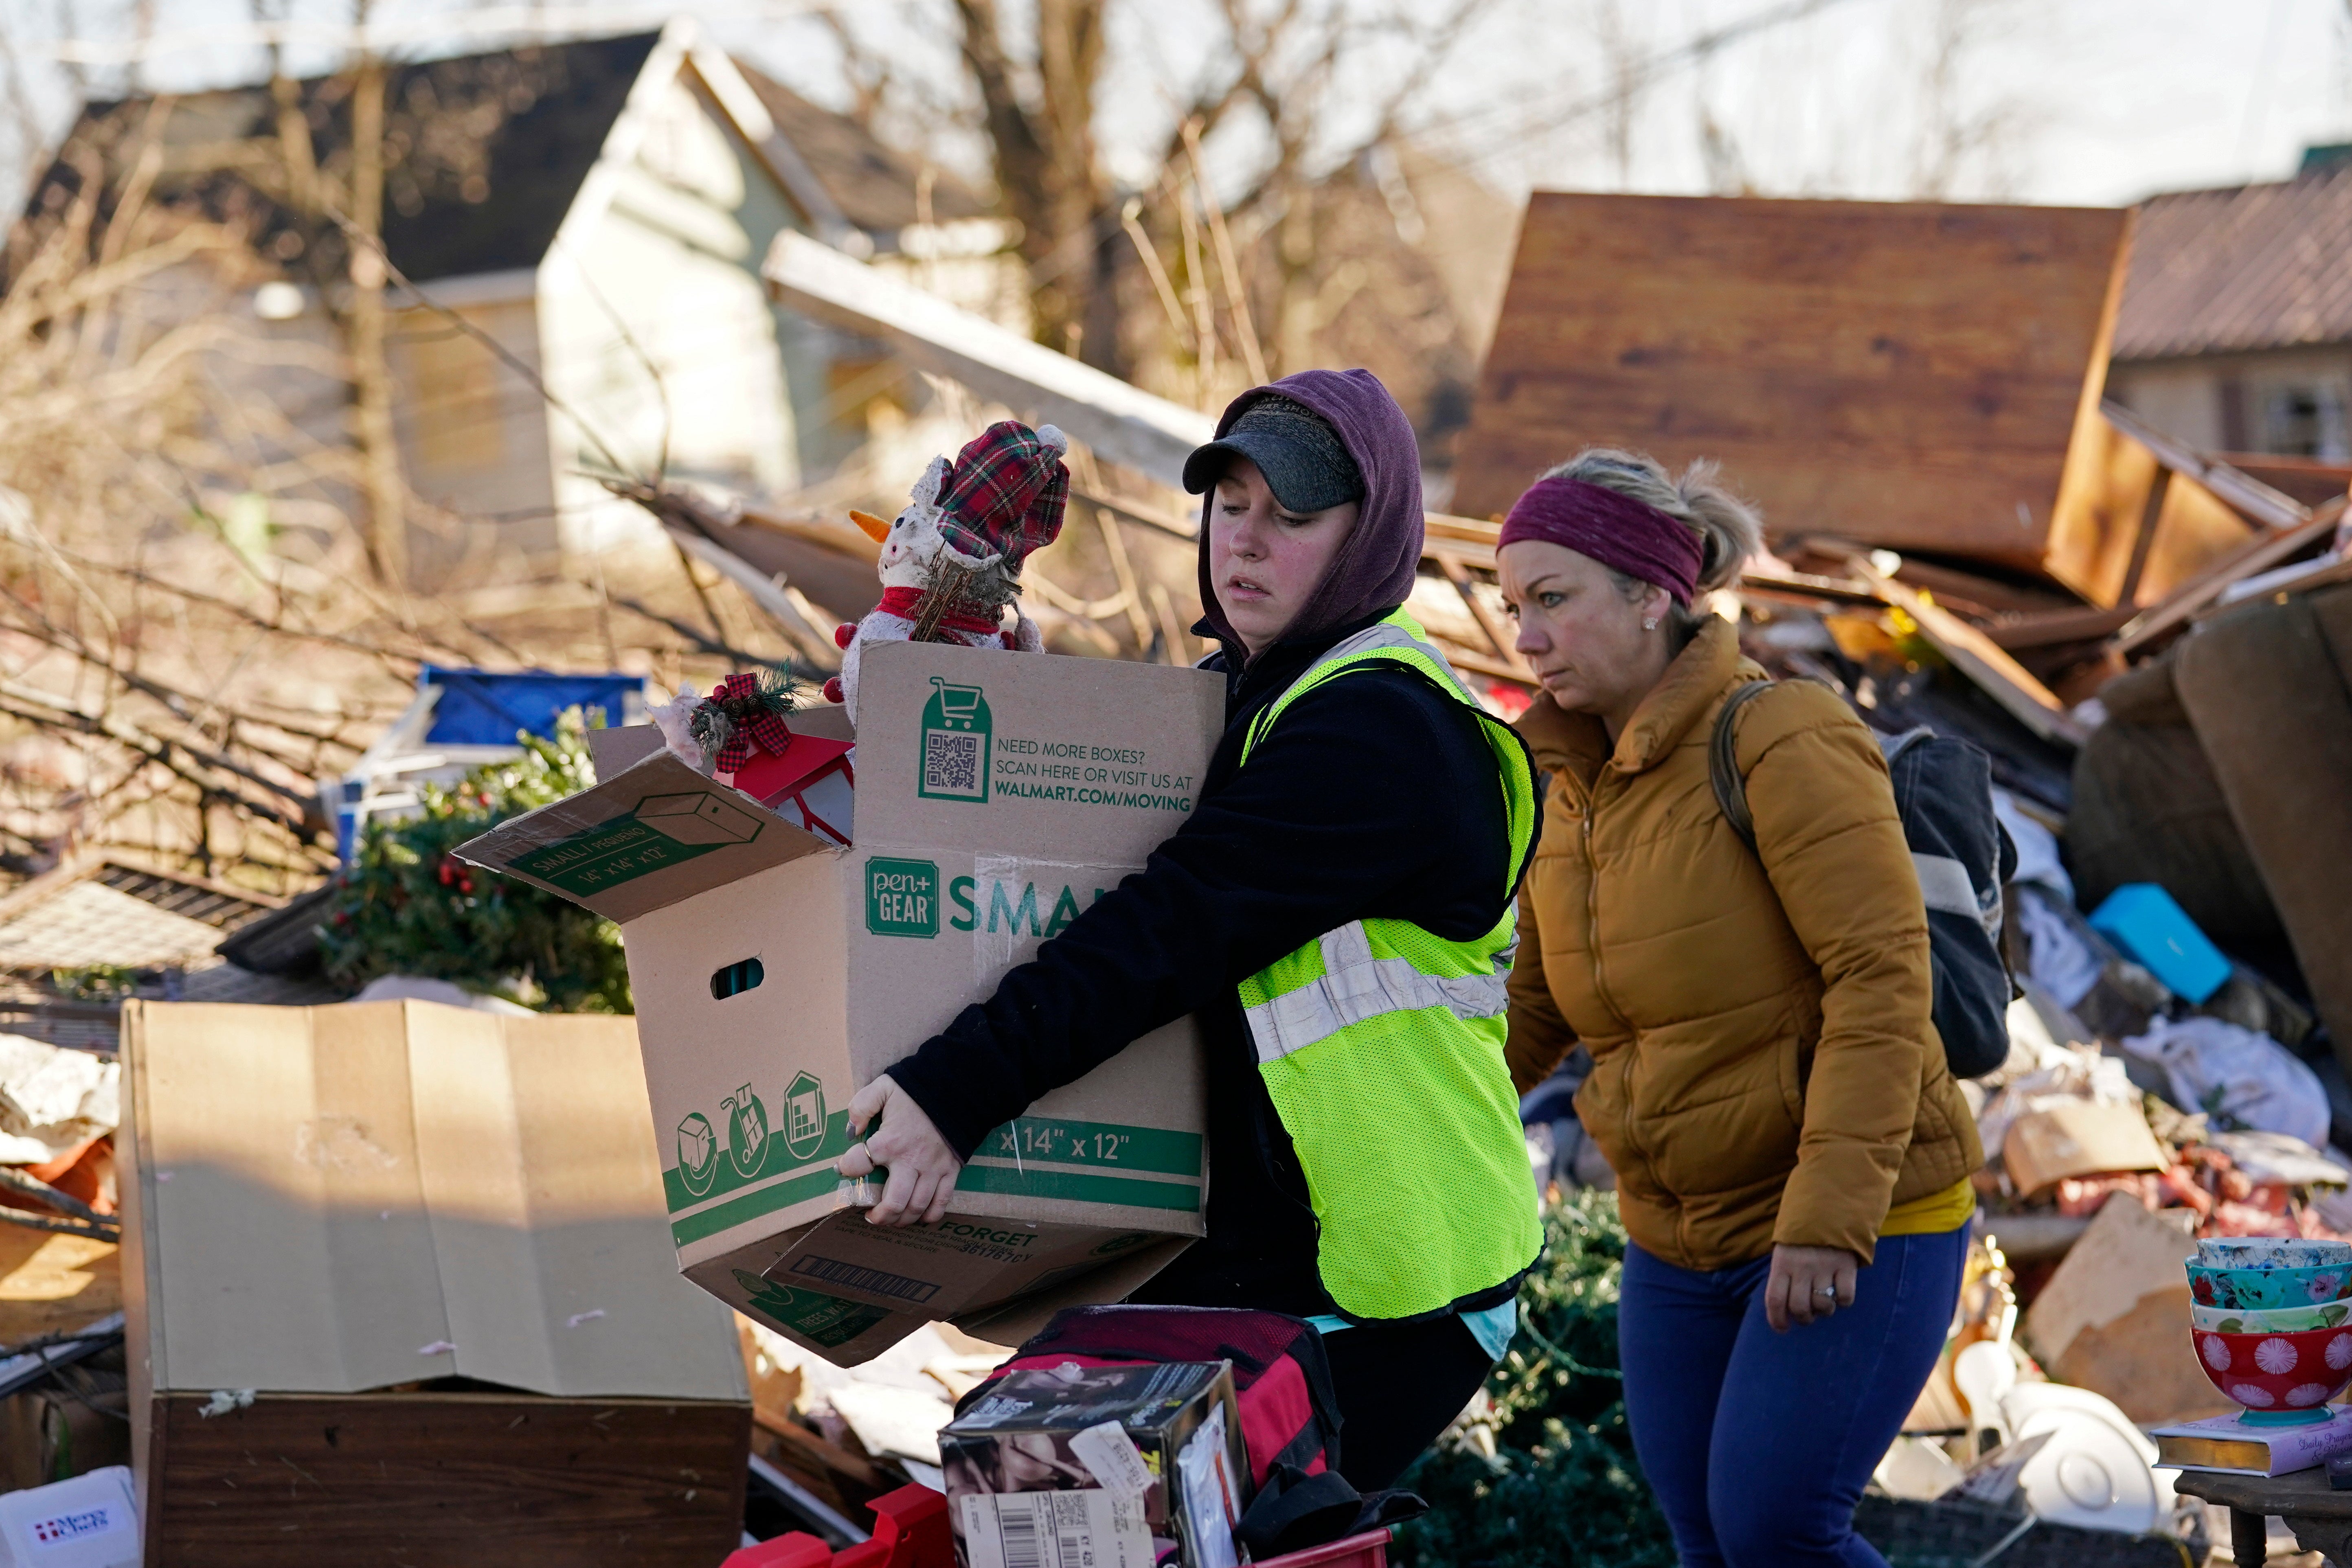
(2227, 1443)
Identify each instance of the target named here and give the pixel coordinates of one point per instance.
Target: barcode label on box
(1090, 1529)
(856, 1277)
(1112, 1456)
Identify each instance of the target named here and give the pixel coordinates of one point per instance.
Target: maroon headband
(1612, 527)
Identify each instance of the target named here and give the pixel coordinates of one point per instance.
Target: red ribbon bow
(752, 723)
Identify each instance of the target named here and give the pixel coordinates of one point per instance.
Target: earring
(1650, 624)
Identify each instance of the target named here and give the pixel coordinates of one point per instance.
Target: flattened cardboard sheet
(334, 1199)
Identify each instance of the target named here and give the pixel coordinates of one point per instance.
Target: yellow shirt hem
(1933, 1214)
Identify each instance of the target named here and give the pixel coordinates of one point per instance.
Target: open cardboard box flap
(652, 836)
(330, 1200)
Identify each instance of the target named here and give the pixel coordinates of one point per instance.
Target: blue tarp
(482, 708)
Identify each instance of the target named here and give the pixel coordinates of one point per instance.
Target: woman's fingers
(868, 1102)
(862, 1161)
(922, 1168)
(1791, 1296)
(936, 1209)
(895, 1194)
(1807, 1284)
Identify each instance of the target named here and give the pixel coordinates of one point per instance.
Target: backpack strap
(1723, 761)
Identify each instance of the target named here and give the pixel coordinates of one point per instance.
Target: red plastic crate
(911, 1530)
(1369, 1550)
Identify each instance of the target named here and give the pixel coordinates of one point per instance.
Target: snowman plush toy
(950, 563)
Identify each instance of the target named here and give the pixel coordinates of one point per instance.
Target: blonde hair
(1729, 530)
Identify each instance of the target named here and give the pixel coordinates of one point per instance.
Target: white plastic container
(89, 1521)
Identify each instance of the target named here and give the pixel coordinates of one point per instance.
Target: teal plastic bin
(2142, 919)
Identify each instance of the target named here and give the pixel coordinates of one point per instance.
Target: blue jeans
(1758, 1443)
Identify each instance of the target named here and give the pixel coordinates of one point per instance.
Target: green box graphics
(663, 830)
(1041, 1148)
(955, 747)
(737, 1165)
(827, 1320)
(902, 898)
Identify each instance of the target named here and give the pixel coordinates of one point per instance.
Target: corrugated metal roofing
(2250, 268)
(90, 923)
(102, 910)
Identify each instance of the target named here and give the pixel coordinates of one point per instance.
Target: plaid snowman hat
(1006, 493)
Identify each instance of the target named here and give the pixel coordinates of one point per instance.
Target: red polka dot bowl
(2281, 1379)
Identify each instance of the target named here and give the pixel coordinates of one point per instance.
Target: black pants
(1399, 1386)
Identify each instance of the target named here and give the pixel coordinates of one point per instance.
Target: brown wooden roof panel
(1904, 373)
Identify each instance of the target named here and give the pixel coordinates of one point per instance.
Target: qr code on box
(952, 763)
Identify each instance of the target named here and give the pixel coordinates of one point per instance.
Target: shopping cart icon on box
(955, 743)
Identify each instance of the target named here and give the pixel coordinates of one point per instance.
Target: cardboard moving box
(328, 1207)
(777, 972)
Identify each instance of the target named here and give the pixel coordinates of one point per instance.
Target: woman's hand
(923, 1169)
(1804, 1283)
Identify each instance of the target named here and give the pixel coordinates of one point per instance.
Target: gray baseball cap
(1304, 462)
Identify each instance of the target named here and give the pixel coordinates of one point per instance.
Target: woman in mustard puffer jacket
(1792, 1153)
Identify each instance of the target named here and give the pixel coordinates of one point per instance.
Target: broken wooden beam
(2256, 558)
(2242, 494)
(2051, 628)
(1121, 422)
(1181, 528)
(1978, 657)
(1497, 632)
(1807, 585)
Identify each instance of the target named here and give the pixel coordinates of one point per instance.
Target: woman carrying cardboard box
(1339, 911)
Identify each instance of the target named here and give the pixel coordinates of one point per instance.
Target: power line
(1645, 72)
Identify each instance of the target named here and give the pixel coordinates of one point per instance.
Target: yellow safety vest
(1381, 1046)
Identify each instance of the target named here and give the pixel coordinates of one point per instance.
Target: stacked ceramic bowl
(2272, 1324)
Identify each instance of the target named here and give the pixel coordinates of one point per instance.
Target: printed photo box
(776, 973)
(1120, 1467)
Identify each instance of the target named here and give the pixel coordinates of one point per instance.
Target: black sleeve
(1374, 795)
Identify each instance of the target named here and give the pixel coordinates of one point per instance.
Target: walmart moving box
(777, 972)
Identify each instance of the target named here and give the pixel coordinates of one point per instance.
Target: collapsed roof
(486, 153)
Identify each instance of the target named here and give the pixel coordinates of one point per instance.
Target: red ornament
(809, 784)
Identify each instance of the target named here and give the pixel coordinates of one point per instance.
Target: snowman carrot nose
(873, 527)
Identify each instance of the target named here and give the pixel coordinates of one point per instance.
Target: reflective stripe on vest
(1355, 987)
(1381, 1047)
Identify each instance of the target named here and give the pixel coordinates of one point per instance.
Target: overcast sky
(2096, 101)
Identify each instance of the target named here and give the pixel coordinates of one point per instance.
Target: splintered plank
(445, 1481)
(1978, 657)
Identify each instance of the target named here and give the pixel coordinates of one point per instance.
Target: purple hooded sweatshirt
(1375, 566)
